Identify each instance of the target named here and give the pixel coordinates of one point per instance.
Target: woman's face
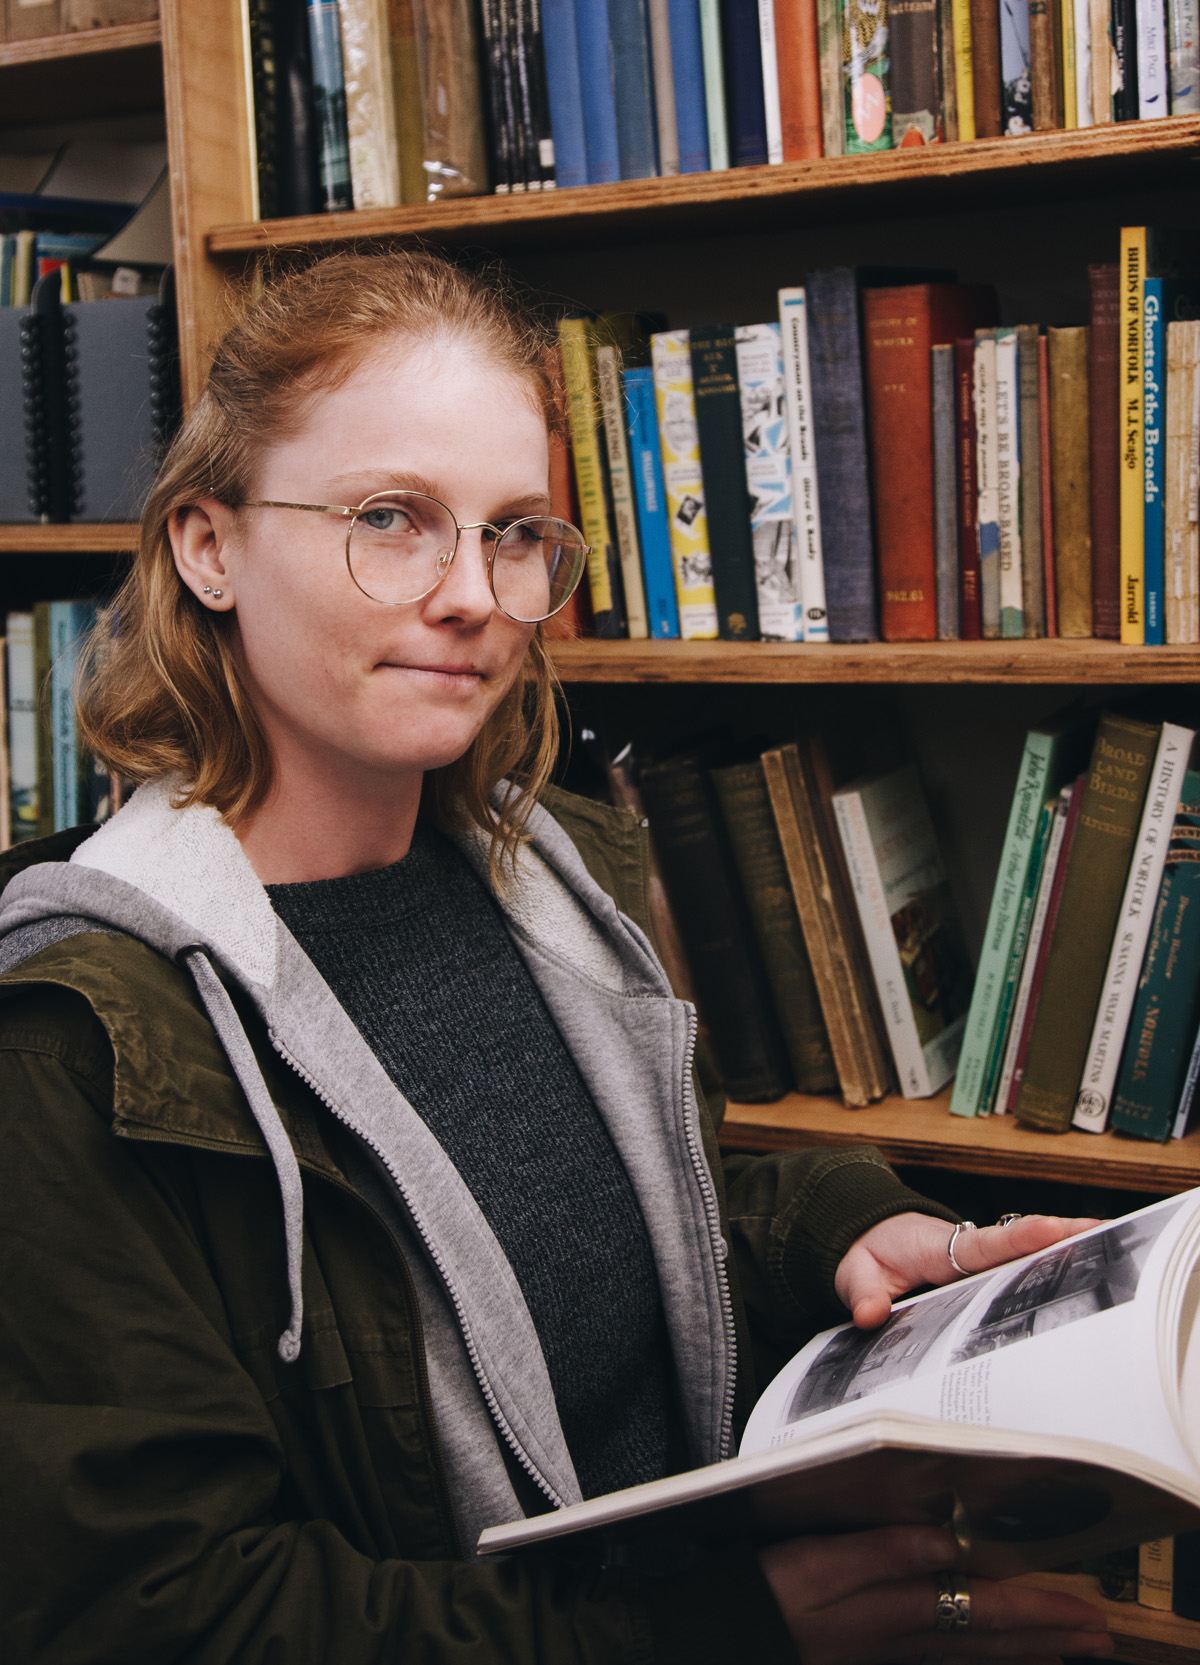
(339, 679)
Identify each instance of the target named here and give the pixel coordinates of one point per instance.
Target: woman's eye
(388, 520)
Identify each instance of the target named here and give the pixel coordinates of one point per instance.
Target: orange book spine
(799, 60)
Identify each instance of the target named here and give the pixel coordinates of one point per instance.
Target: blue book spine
(633, 88)
(8, 254)
(599, 105)
(742, 45)
(560, 42)
(687, 69)
(329, 106)
(840, 436)
(1154, 419)
(645, 463)
(70, 622)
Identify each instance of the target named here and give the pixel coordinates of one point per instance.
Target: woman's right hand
(869, 1597)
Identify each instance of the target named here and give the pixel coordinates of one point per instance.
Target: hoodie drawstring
(223, 1015)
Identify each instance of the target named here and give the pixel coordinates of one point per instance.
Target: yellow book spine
(1133, 488)
(964, 73)
(1070, 96)
(691, 558)
(585, 451)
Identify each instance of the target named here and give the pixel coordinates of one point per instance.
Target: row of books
(1087, 996)
(368, 103)
(1166, 1572)
(885, 460)
(32, 19)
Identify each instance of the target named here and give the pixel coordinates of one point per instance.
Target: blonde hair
(160, 691)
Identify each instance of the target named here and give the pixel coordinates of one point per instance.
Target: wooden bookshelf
(1048, 661)
(81, 43)
(94, 72)
(1143, 1636)
(923, 1133)
(79, 538)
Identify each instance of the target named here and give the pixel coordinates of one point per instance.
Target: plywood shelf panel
(923, 1133)
(75, 539)
(1142, 1635)
(80, 43)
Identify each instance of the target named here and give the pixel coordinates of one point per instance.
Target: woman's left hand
(911, 1250)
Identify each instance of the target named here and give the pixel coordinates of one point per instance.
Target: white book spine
(1033, 943)
(987, 505)
(770, 75)
(1187, 1096)
(1008, 485)
(793, 323)
(664, 87)
(769, 482)
(1081, 11)
(1133, 929)
(1153, 99)
(882, 950)
(1183, 56)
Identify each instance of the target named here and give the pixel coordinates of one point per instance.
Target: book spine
(533, 49)
(714, 85)
(881, 944)
(654, 533)
(664, 88)
(22, 728)
(1094, 1098)
(829, 46)
(1018, 1032)
(329, 106)
(1188, 1095)
(1153, 412)
(1155, 1573)
(1043, 49)
(1081, 17)
(742, 59)
(258, 25)
(966, 491)
(994, 1068)
(944, 496)
(296, 157)
(1183, 56)
(866, 91)
(63, 747)
(1181, 529)
(688, 74)
(603, 562)
(772, 113)
(565, 91)
(612, 407)
(746, 810)
(496, 88)
(964, 76)
(633, 88)
(985, 68)
(769, 483)
(1104, 64)
(1104, 394)
(913, 72)
(806, 507)
(1070, 72)
(1032, 562)
(840, 446)
(1049, 580)
(370, 115)
(527, 174)
(798, 59)
(1124, 40)
(1151, 22)
(1131, 436)
(723, 470)
(1115, 791)
(676, 404)
(1016, 103)
(599, 101)
(42, 661)
(987, 466)
(947, 83)
(1008, 485)
(1070, 478)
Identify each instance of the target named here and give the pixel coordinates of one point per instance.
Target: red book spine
(1047, 493)
(985, 60)
(899, 327)
(1104, 397)
(1043, 954)
(970, 616)
(799, 61)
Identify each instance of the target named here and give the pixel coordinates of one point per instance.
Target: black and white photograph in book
(861, 1362)
(1074, 1282)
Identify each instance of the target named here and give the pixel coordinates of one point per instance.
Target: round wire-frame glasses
(400, 546)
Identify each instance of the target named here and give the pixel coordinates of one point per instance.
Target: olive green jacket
(170, 1488)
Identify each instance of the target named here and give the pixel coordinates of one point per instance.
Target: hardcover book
(987, 469)
(1016, 110)
(741, 52)
(664, 87)
(688, 73)
(1181, 531)
(70, 623)
(1183, 56)
(329, 106)
(798, 57)
(963, 68)
(587, 450)
(723, 469)
(1008, 485)
(769, 483)
(985, 68)
(1032, 568)
(1104, 319)
(945, 497)
(370, 112)
(806, 507)
(645, 460)
(914, 73)
(773, 119)
(1131, 433)
(829, 45)
(1070, 478)
(22, 727)
(1154, 344)
(866, 89)
(672, 364)
(714, 85)
(564, 90)
(966, 492)
(599, 101)
(612, 406)
(633, 88)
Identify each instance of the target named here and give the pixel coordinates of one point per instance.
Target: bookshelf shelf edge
(121, 37)
(77, 538)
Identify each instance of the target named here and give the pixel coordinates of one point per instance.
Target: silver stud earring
(208, 589)
(217, 594)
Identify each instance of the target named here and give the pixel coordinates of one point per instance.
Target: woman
(324, 959)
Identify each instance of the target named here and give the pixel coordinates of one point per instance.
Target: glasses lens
(400, 546)
(537, 564)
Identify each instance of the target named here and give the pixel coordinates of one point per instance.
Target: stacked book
(365, 103)
(888, 460)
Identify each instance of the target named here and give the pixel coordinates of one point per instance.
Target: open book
(1049, 1410)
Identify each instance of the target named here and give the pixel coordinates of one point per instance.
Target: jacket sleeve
(143, 1510)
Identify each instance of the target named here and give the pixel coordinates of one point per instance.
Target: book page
(1065, 1341)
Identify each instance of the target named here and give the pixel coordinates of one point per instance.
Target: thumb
(863, 1288)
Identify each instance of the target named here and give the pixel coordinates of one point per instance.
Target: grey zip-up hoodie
(179, 881)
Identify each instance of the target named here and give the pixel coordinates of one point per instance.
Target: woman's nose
(466, 590)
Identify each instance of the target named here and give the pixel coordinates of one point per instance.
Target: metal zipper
(490, 1399)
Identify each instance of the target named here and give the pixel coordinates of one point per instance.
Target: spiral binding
(166, 397)
(37, 448)
(73, 470)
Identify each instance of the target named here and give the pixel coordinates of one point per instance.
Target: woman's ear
(201, 542)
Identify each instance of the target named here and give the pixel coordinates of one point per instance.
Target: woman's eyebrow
(356, 487)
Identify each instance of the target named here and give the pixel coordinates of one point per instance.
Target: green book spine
(45, 736)
(1041, 774)
(1016, 959)
(723, 465)
(758, 857)
(1114, 791)
(1158, 1045)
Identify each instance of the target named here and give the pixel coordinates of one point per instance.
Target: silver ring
(963, 1225)
(953, 1610)
(1007, 1219)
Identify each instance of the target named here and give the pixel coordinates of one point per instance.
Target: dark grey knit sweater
(418, 955)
